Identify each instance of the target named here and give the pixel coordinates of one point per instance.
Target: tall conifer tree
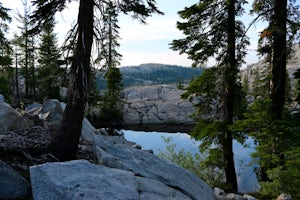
(274, 129)
(5, 18)
(66, 145)
(5, 54)
(111, 108)
(49, 72)
(27, 47)
(212, 30)
(276, 41)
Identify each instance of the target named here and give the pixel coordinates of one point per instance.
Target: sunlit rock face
(156, 104)
(263, 67)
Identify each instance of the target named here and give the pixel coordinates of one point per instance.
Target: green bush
(197, 163)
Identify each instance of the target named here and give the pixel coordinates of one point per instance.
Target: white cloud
(144, 43)
(157, 28)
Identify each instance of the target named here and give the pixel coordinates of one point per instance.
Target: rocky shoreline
(108, 167)
(169, 128)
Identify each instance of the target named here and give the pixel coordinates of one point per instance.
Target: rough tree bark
(279, 31)
(230, 77)
(66, 145)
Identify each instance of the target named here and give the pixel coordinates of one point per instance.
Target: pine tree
(274, 129)
(5, 18)
(16, 41)
(212, 30)
(66, 145)
(49, 72)
(111, 109)
(6, 72)
(112, 105)
(27, 47)
(108, 44)
(261, 82)
(245, 84)
(275, 42)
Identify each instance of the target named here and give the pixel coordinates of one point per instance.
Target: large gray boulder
(144, 164)
(51, 113)
(52, 110)
(34, 109)
(82, 180)
(88, 130)
(12, 185)
(123, 172)
(11, 120)
(156, 104)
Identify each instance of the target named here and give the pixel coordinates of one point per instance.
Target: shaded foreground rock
(124, 172)
(82, 180)
(12, 185)
(51, 114)
(23, 148)
(11, 120)
(144, 164)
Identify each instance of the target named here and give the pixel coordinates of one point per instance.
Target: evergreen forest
(231, 103)
(152, 74)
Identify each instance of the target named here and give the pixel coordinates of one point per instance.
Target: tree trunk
(17, 103)
(279, 58)
(26, 65)
(229, 168)
(230, 77)
(66, 145)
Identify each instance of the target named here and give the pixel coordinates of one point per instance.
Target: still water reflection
(247, 181)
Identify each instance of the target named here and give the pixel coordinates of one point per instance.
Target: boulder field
(117, 170)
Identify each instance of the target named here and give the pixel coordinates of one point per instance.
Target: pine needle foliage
(277, 148)
(49, 76)
(212, 30)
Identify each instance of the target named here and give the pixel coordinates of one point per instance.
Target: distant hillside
(152, 74)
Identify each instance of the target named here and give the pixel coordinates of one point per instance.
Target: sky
(145, 43)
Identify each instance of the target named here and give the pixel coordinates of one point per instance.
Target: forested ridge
(231, 103)
(152, 74)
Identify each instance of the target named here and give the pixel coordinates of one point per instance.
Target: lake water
(247, 180)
